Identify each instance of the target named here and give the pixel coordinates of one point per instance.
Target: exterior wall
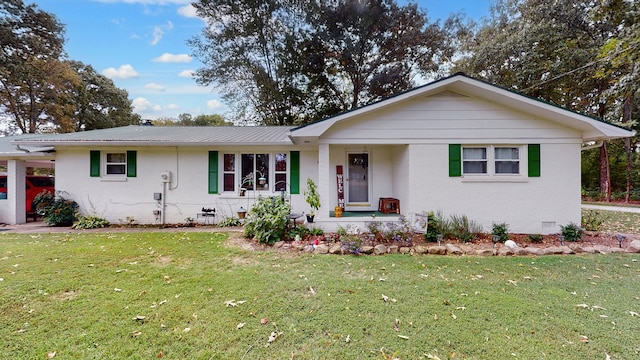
(418, 172)
(115, 199)
(537, 205)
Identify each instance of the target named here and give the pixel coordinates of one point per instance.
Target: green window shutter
(132, 163)
(213, 172)
(294, 175)
(94, 160)
(534, 160)
(455, 160)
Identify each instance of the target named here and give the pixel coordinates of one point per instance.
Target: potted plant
(312, 198)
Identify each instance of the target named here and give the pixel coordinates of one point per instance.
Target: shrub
(501, 231)
(90, 222)
(230, 222)
(571, 232)
(592, 220)
(375, 228)
(316, 231)
(351, 244)
(56, 209)
(300, 231)
(399, 232)
(463, 228)
(432, 233)
(267, 220)
(535, 238)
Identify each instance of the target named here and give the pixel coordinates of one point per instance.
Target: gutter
(598, 144)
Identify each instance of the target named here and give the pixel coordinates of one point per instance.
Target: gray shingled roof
(167, 136)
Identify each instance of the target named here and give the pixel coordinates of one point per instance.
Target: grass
(172, 295)
(615, 221)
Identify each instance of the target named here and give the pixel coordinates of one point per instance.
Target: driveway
(629, 209)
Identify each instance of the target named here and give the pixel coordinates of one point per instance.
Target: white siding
(117, 199)
(446, 116)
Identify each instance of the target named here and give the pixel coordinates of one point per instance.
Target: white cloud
(186, 73)
(158, 31)
(214, 104)
(123, 72)
(154, 86)
(173, 107)
(187, 11)
(173, 58)
(142, 105)
(148, 2)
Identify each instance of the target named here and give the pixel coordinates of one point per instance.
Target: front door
(358, 181)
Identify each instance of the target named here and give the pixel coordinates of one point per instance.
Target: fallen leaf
(186, 329)
(582, 305)
(139, 318)
(136, 333)
(264, 321)
(348, 338)
(433, 357)
(454, 316)
(598, 307)
(480, 276)
(117, 290)
(230, 303)
(274, 335)
(633, 313)
(240, 325)
(313, 292)
(584, 339)
(51, 355)
(403, 337)
(385, 297)
(512, 282)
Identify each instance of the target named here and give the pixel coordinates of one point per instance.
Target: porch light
(439, 238)
(495, 239)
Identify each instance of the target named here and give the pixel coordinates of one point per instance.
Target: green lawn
(188, 295)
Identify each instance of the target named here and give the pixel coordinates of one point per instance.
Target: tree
(549, 49)
(31, 42)
(291, 62)
(96, 103)
(188, 120)
(363, 51)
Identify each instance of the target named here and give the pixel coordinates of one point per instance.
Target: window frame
(492, 159)
(271, 169)
(107, 164)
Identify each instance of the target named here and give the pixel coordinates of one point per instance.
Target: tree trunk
(605, 176)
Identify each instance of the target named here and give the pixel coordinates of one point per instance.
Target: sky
(142, 46)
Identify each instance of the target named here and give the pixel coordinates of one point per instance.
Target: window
(272, 172)
(229, 172)
(474, 160)
(254, 171)
(507, 160)
(115, 163)
(491, 160)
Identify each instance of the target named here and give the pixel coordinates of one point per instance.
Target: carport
(17, 162)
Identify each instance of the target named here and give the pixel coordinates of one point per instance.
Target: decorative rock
(453, 250)
(510, 244)
(602, 249)
(485, 252)
(634, 246)
(335, 249)
(367, 249)
(533, 251)
(405, 250)
(393, 249)
(438, 250)
(617, 250)
(506, 251)
(308, 248)
(380, 249)
(321, 249)
(553, 250)
(279, 244)
(421, 249)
